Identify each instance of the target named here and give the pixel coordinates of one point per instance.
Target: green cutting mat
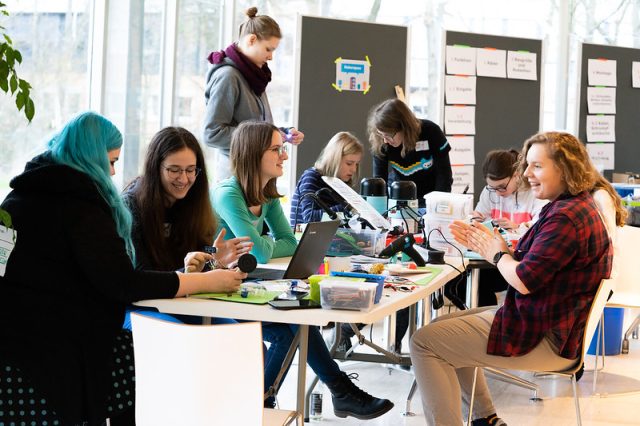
(236, 297)
(426, 280)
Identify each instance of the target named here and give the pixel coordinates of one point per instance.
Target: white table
(390, 303)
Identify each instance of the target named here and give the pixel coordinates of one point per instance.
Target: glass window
(53, 37)
(199, 33)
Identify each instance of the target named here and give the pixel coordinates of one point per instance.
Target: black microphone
(247, 263)
(333, 215)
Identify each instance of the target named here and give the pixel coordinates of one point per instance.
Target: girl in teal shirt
(244, 203)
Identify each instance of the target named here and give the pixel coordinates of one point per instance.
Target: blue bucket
(613, 319)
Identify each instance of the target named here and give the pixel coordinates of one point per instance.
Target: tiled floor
(621, 374)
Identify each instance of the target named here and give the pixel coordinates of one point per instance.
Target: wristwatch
(498, 256)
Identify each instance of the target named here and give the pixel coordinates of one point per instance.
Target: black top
(427, 166)
(66, 285)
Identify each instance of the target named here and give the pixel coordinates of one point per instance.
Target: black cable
(295, 220)
(406, 224)
(453, 297)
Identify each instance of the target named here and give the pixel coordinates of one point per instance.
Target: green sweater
(229, 202)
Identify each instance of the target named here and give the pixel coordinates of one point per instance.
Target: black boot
(350, 400)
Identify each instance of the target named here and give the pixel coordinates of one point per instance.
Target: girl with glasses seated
(173, 219)
(245, 202)
(504, 200)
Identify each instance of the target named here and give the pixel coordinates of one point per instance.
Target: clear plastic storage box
(357, 241)
(340, 294)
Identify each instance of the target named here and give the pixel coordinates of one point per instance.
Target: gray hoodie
(230, 101)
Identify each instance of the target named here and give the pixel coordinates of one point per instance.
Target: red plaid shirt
(563, 258)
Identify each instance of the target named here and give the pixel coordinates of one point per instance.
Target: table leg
(302, 370)
(473, 280)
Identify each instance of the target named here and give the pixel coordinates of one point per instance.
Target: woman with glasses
(339, 158)
(504, 200)
(237, 80)
(247, 200)
(407, 148)
(173, 220)
(508, 205)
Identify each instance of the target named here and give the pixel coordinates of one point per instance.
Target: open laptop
(308, 256)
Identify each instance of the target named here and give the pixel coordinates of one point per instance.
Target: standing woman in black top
(407, 148)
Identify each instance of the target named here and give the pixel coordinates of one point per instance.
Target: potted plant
(13, 85)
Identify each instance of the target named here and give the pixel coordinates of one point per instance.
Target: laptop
(308, 256)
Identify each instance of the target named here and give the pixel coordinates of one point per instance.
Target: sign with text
(460, 89)
(460, 120)
(601, 128)
(601, 100)
(491, 63)
(522, 65)
(461, 60)
(602, 72)
(462, 150)
(602, 155)
(462, 177)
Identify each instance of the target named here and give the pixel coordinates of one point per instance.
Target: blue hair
(83, 144)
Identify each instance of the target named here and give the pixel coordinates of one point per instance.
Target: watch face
(498, 256)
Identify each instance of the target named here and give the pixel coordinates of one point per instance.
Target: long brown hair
(194, 223)
(249, 142)
(393, 116)
(621, 212)
(569, 156)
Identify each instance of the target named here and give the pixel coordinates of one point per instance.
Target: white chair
(595, 312)
(627, 288)
(200, 375)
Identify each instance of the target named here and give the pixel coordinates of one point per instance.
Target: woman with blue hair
(70, 275)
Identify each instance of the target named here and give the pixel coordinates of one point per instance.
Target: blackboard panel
(322, 110)
(507, 110)
(627, 144)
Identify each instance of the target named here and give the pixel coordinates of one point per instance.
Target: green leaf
(6, 37)
(20, 100)
(29, 110)
(8, 54)
(4, 85)
(5, 218)
(18, 56)
(13, 83)
(24, 85)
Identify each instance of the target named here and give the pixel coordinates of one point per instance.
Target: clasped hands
(477, 237)
(227, 253)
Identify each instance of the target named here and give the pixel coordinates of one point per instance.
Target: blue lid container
(379, 279)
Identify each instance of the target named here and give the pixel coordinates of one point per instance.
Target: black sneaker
(492, 420)
(350, 400)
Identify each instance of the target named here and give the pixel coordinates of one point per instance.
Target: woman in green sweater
(244, 203)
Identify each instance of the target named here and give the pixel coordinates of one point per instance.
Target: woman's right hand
(225, 280)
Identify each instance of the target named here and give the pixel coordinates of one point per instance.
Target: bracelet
(218, 265)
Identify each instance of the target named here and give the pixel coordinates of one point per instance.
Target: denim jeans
(280, 337)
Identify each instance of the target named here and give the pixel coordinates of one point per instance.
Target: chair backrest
(595, 312)
(196, 374)
(628, 268)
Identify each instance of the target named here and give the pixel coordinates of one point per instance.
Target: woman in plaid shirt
(553, 275)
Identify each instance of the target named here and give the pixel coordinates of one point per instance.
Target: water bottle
(315, 409)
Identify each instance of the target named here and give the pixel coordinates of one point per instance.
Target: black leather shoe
(350, 400)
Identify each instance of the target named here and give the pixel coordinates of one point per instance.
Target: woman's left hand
(228, 251)
(296, 137)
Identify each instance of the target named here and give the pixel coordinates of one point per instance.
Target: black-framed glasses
(501, 188)
(175, 172)
(279, 149)
(386, 137)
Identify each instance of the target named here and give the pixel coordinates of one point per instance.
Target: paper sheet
(602, 72)
(601, 100)
(462, 176)
(462, 150)
(460, 89)
(601, 128)
(635, 74)
(460, 120)
(491, 62)
(602, 155)
(522, 65)
(461, 60)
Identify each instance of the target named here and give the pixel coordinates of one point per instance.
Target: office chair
(200, 375)
(595, 313)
